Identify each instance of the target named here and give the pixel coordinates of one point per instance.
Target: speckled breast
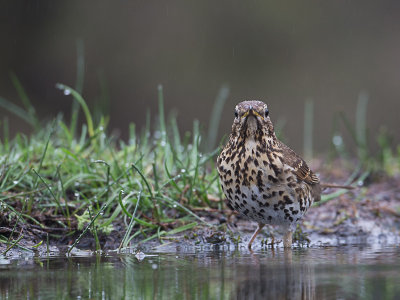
(263, 188)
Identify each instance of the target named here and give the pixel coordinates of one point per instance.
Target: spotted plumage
(262, 178)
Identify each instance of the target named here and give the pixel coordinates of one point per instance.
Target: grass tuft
(154, 185)
(147, 187)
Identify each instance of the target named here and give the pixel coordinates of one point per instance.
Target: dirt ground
(366, 215)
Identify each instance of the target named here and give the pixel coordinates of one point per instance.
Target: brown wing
(300, 167)
(301, 170)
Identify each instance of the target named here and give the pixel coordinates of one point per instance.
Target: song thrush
(262, 178)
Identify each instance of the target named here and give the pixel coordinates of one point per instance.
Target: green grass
(93, 181)
(385, 159)
(147, 187)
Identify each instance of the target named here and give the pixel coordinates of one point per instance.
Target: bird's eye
(266, 112)
(236, 113)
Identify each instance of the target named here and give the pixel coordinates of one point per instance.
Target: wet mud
(367, 215)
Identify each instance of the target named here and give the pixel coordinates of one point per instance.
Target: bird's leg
(260, 226)
(287, 239)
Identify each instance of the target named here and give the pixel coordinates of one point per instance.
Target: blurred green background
(281, 52)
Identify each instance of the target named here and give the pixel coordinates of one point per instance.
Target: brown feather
(301, 169)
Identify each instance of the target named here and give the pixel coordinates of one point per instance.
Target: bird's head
(252, 119)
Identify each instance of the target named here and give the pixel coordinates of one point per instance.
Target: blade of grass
(15, 243)
(182, 228)
(216, 114)
(173, 202)
(68, 90)
(160, 233)
(16, 110)
(64, 196)
(6, 134)
(148, 187)
(80, 65)
(361, 126)
(45, 151)
(25, 100)
(94, 231)
(125, 240)
(80, 74)
(308, 129)
(89, 225)
(50, 190)
(122, 205)
(161, 113)
(171, 179)
(108, 174)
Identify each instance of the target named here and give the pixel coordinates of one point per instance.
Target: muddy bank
(368, 215)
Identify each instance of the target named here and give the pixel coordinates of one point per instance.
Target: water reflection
(280, 279)
(322, 273)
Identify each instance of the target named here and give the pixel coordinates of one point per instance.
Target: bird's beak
(251, 112)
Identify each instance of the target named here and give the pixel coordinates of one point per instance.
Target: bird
(262, 178)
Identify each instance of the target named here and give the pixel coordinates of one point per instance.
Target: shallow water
(310, 273)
